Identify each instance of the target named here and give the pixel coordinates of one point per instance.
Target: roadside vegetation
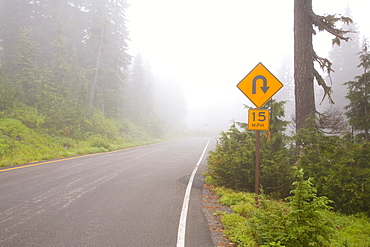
(20, 144)
(302, 219)
(314, 193)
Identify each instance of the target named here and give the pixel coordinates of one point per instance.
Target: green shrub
(244, 209)
(353, 230)
(28, 115)
(236, 198)
(99, 141)
(97, 124)
(236, 228)
(340, 168)
(232, 163)
(269, 223)
(20, 144)
(299, 223)
(305, 220)
(221, 191)
(278, 244)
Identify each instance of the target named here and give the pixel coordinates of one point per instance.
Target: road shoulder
(210, 207)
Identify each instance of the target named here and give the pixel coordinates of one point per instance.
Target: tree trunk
(366, 107)
(97, 64)
(303, 64)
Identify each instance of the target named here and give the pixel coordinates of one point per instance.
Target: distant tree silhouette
(345, 61)
(358, 94)
(285, 75)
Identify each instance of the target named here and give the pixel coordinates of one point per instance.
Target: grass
(20, 144)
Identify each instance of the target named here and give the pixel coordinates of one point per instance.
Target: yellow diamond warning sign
(259, 85)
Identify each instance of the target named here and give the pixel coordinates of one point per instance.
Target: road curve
(129, 198)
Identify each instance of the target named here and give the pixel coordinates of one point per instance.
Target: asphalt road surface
(132, 197)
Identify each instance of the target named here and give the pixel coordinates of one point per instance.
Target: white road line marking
(184, 212)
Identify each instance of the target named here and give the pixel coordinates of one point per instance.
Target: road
(131, 197)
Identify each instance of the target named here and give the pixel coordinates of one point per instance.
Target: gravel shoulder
(210, 206)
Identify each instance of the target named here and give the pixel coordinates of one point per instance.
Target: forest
(68, 84)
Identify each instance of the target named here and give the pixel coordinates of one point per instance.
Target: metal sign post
(259, 86)
(257, 174)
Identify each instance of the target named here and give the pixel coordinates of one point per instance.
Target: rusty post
(257, 175)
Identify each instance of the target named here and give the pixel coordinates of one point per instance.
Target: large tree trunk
(303, 64)
(366, 107)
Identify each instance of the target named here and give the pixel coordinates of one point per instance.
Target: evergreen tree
(105, 53)
(303, 224)
(285, 75)
(4, 96)
(140, 105)
(64, 87)
(344, 64)
(232, 163)
(14, 16)
(359, 95)
(26, 75)
(139, 100)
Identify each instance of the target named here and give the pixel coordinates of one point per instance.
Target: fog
(208, 46)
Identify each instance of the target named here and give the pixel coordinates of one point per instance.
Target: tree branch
(331, 121)
(327, 23)
(322, 83)
(324, 63)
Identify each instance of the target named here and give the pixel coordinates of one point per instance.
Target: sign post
(259, 85)
(257, 173)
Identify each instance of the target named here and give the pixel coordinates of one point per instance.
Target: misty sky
(208, 46)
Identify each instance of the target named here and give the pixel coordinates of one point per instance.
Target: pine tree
(344, 64)
(285, 75)
(105, 53)
(64, 87)
(359, 95)
(139, 104)
(14, 16)
(26, 74)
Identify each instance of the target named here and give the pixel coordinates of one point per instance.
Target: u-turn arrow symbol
(254, 84)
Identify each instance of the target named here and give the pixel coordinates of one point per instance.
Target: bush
(28, 115)
(232, 163)
(98, 141)
(244, 209)
(353, 230)
(19, 144)
(237, 198)
(340, 168)
(100, 125)
(302, 221)
(307, 222)
(299, 223)
(236, 228)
